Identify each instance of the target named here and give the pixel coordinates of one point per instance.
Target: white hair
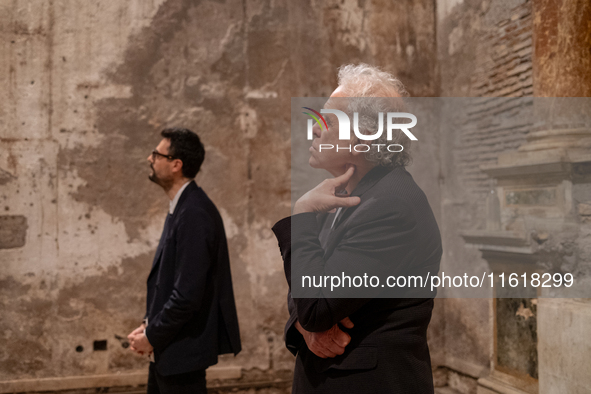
(371, 91)
(363, 80)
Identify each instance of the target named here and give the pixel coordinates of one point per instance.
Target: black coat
(190, 305)
(388, 352)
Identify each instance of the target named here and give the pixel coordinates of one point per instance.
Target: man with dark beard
(191, 315)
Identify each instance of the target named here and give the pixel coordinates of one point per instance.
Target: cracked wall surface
(484, 50)
(85, 90)
(511, 49)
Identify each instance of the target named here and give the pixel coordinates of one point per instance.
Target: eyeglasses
(156, 153)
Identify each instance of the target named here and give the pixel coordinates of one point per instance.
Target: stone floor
(252, 382)
(278, 388)
(269, 388)
(264, 388)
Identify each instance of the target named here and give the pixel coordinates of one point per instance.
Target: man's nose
(149, 158)
(316, 131)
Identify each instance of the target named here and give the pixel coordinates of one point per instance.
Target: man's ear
(177, 166)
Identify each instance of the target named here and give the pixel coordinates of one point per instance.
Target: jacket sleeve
(381, 242)
(293, 338)
(193, 261)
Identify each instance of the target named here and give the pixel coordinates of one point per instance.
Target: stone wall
(86, 88)
(485, 50)
(510, 49)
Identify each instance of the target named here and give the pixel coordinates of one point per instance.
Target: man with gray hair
(373, 218)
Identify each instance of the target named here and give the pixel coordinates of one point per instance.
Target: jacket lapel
(192, 186)
(158, 254)
(367, 182)
(162, 238)
(169, 218)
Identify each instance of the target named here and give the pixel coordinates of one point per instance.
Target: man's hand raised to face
(325, 196)
(329, 343)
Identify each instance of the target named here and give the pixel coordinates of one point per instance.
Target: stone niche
(537, 224)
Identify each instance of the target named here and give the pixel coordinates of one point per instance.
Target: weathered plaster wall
(562, 39)
(516, 49)
(79, 276)
(485, 50)
(87, 86)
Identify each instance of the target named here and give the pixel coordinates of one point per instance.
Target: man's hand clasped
(329, 343)
(138, 342)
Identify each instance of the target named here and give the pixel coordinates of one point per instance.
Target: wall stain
(38, 330)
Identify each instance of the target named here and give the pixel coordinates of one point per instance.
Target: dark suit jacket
(392, 231)
(190, 306)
